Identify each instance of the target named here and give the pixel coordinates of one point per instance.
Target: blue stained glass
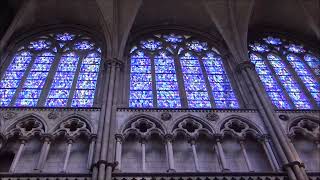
(84, 45)
(82, 103)
(13, 76)
(173, 38)
(140, 88)
(193, 81)
(87, 80)
(60, 88)
(295, 48)
(26, 102)
(271, 86)
(140, 102)
(199, 104)
(291, 86)
(313, 62)
(222, 92)
(197, 46)
(259, 47)
(40, 44)
(151, 44)
(166, 84)
(305, 76)
(273, 41)
(84, 94)
(65, 37)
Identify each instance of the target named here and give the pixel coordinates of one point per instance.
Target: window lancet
(289, 72)
(178, 71)
(54, 70)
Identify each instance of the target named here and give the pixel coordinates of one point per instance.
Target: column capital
(47, 137)
(217, 137)
(113, 62)
(23, 139)
(119, 137)
(192, 141)
(168, 137)
(70, 140)
(244, 65)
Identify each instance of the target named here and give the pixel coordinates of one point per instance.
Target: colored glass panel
(194, 82)
(87, 81)
(151, 44)
(223, 94)
(12, 77)
(40, 44)
(272, 40)
(84, 45)
(298, 97)
(270, 84)
(307, 78)
(197, 46)
(259, 47)
(62, 82)
(140, 81)
(35, 81)
(166, 82)
(313, 62)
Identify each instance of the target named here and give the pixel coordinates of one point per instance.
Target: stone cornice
(48, 109)
(185, 110)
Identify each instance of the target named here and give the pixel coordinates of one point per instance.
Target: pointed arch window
(178, 71)
(53, 70)
(289, 71)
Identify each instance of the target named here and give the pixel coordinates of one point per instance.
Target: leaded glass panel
(75, 73)
(173, 70)
(295, 67)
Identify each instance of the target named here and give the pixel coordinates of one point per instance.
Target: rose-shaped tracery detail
(306, 127)
(191, 128)
(27, 128)
(73, 127)
(143, 128)
(238, 129)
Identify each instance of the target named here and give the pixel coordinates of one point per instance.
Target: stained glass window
(288, 71)
(177, 71)
(72, 62)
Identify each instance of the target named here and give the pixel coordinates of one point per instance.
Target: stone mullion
(49, 80)
(75, 79)
(154, 86)
(67, 157)
(274, 74)
(309, 68)
(18, 155)
(236, 83)
(206, 79)
(97, 100)
(299, 81)
(23, 80)
(179, 74)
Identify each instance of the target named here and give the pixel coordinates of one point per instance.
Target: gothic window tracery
(289, 72)
(178, 71)
(54, 70)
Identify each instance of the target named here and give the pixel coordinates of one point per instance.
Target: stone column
(103, 167)
(2, 140)
(195, 155)
(268, 150)
(93, 140)
(220, 153)
(246, 157)
(44, 151)
(143, 154)
(317, 142)
(168, 138)
(268, 115)
(66, 159)
(119, 140)
(18, 155)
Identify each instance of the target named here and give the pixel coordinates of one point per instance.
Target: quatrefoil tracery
(306, 127)
(27, 128)
(72, 128)
(238, 129)
(191, 128)
(143, 128)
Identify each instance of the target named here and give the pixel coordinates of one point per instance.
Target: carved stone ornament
(9, 115)
(283, 117)
(53, 115)
(212, 116)
(166, 116)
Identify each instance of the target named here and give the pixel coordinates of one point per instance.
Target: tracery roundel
(172, 70)
(289, 71)
(54, 69)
